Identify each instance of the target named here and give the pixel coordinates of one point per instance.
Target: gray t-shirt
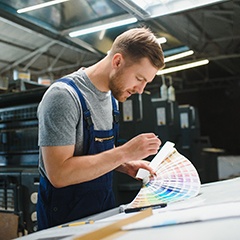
(60, 114)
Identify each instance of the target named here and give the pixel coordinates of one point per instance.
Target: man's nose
(140, 88)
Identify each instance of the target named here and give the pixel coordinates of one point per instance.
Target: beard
(116, 86)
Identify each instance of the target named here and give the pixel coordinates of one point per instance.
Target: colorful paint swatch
(176, 179)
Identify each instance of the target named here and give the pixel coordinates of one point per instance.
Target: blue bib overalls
(60, 205)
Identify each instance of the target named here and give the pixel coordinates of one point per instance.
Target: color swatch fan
(176, 179)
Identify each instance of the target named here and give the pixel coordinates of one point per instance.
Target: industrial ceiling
(38, 41)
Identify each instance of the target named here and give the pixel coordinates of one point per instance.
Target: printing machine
(19, 177)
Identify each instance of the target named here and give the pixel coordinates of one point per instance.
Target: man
(78, 128)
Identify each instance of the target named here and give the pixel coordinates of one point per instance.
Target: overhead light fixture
(178, 56)
(102, 27)
(183, 67)
(41, 5)
(162, 40)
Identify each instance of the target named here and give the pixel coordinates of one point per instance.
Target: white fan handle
(166, 149)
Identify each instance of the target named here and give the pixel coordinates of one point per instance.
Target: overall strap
(116, 116)
(87, 123)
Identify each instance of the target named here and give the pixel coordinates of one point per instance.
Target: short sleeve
(58, 116)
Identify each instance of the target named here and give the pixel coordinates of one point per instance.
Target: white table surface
(221, 224)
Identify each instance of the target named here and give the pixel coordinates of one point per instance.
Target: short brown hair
(139, 43)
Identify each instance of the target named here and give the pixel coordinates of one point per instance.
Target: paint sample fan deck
(176, 179)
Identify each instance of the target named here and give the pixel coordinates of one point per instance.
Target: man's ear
(117, 60)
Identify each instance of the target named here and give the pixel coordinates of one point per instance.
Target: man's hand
(141, 146)
(131, 168)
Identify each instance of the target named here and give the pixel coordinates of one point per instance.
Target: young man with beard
(78, 125)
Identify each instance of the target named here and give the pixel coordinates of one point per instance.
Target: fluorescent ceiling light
(103, 27)
(162, 40)
(183, 67)
(41, 5)
(177, 56)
